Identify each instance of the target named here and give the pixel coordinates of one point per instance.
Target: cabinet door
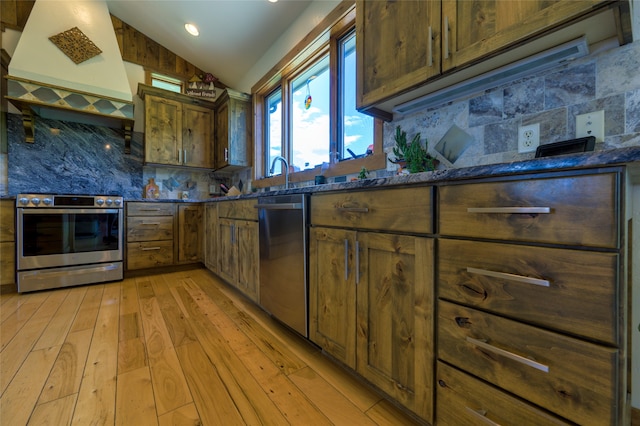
(248, 258)
(227, 250)
(398, 47)
(475, 29)
(211, 237)
(332, 292)
(162, 130)
(189, 240)
(197, 136)
(222, 136)
(395, 348)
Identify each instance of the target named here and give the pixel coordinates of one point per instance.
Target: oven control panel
(74, 201)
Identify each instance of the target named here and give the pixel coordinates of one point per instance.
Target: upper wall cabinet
(409, 49)
(178, 129)
(233, 130)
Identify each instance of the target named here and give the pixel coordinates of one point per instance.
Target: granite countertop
(613, 157)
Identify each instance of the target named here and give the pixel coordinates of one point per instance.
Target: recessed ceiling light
(273, 1)
(192, 29)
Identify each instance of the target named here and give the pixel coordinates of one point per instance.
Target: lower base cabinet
(371, 307)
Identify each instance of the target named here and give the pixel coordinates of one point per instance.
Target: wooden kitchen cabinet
(178, 129)
(189, 233)
(238, 249)
(529, 272)
(371, 293)
(478, 29)
(211, 236)
(398, 47)
(407, 49)
(150, 235)
(233, 130)
(7, 243)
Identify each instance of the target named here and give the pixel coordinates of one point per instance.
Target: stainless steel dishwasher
(283, 258)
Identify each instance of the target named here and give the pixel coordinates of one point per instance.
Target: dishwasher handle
(280, 206)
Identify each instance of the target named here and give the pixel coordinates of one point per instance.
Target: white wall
(311, 17)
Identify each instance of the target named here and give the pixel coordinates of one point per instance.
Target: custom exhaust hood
(67, 66)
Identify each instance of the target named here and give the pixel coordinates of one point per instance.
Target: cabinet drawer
(150, 209)
(149, 254)
(576, 380)
(238, 209)
(465, 400)
(576, 210)
(567, 290)
(149, 228)
(402, 210)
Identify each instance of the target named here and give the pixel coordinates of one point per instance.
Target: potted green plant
(413, 154)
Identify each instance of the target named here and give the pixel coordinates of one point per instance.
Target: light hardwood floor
(178, 348)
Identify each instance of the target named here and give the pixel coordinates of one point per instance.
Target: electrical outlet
(590, 124)
(528, 137)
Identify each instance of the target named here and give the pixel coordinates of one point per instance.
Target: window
(165, 82)
(306, 113)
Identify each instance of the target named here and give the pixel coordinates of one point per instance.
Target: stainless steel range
(67, 240)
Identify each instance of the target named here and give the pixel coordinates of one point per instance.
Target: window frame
(325, 39)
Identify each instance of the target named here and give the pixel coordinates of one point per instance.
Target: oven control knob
(24, 201)
(109, 201)
(99, 201)
(47, 201)
(35, 201)
(118, 202)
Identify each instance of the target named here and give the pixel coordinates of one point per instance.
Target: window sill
(347, 167)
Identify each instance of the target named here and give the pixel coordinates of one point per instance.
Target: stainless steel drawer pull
(353, 209)
(150, 248)
(510, 355)
(510, 277)
(149, 210)
(516, 210)
(481, 415)
(150, 224)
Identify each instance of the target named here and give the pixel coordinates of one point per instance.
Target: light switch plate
(591, 124)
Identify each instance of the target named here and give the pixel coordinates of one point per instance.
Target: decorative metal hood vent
(67, 66)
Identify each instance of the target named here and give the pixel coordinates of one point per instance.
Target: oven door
(51, 237)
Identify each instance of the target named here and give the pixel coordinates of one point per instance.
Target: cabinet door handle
(510, 355)
(150, 248)
(184, 156)
(233, 234)
(430, 48)
(516, 210)
(481, 415)
(346, 259)
(510, 277)
(180, 156)
(226, 154)
(446, 37)
(357, 262)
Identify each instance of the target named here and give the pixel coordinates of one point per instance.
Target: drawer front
(149, 228)
(150, 209)
(149, 254)
(566, 290)
(574, 379)
(577, 210)
(465, 400)
(402, 210)
(238, 209)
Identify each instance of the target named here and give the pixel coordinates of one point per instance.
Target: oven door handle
(26, 211)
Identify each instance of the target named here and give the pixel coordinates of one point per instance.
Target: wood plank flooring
(177, 348)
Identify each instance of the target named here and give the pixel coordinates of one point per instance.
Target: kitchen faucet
(286, 169)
